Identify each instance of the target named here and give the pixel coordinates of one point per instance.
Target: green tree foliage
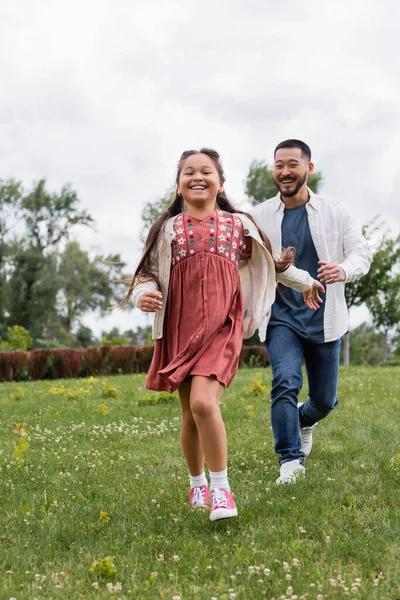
(366, 345)
(386, 254)
(45, 221)
(385, 307)
(138, 337)
(10, 196)
(152, 210)
(84, 337)
(49, 217)
(33, 285)
(18, 338)
(47, 282)
(85, 283)
(260, 185)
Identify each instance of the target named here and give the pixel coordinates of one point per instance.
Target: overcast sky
(107, 94)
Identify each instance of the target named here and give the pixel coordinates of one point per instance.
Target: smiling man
(331, 248)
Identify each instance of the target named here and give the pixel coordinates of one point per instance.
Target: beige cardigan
(257, 276)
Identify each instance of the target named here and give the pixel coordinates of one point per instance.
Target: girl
(208, 273)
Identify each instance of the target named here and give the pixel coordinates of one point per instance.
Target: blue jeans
(286, 351)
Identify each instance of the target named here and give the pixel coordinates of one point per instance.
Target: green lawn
(104, 477)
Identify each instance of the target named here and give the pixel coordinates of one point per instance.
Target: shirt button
(197, 337)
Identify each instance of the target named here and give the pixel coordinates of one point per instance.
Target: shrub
(65, 363)
(19, 360)
(253, 356)
(156, 399)
(109, 391)
(122, 359)
(144, 356)
(37, 363)
(94, 360)
(18, 338)
(11, 365)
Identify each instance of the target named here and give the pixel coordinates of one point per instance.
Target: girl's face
(199, 181)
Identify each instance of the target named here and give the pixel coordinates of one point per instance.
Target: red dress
(203, 323)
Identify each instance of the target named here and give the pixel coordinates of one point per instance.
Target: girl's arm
(147, 297)
(302, 282)
(295, 278)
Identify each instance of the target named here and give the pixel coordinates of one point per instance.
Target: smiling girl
(208, 273)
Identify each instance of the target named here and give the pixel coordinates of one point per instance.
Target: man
(330, 247)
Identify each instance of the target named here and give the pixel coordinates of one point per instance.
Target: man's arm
(357, 255)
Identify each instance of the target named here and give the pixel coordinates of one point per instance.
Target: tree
(260, 185)
(46, 282)
(45, 221)
(84, 337)
(10, 197)
(152, 210)
(366, 345)
(138, 337)
(33, 286)
(385, 308)
(85, 284)
(49, 217)
(18, 338)
(386, 254)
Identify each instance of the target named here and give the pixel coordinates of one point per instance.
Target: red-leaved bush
(253, 356)
(95, 360)
(144, 356)
(65, 363)
(122, 359)
(37, 363)
(11, 365)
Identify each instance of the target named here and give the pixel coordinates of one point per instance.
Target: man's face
(291, 171)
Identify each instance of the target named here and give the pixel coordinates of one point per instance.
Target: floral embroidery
(224, 230)
(212, 238)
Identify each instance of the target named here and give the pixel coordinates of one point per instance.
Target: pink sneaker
(198, 497)
(222, 504)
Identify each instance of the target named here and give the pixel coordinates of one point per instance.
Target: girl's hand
(150, 301)
(312, 297)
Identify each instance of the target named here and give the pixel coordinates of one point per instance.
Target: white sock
(219, 479)
(198, 480)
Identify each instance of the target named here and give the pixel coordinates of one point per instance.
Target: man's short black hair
(305, 150)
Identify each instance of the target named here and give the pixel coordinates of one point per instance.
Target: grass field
(93, 496)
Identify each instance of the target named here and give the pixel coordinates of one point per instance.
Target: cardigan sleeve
(295, 278)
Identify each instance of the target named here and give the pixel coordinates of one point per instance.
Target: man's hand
(150, 301)
(330, 272)
(312, 297)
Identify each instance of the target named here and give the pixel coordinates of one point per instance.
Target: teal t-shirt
(289, 308)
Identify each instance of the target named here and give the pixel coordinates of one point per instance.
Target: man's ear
(310, 168)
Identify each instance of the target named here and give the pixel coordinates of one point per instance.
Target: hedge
(68, 363)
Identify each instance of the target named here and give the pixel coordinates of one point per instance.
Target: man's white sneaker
(306, 439)
(290, 471)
